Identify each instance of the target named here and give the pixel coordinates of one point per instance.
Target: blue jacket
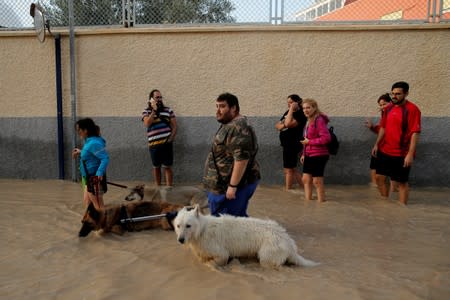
(94, 157)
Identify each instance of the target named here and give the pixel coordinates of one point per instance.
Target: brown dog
(109, 219)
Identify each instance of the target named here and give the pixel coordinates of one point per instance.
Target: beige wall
(344, 68)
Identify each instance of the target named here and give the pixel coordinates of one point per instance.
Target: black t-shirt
(293, 136)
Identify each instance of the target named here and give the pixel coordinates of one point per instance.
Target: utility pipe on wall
(73, 94)
(59, 105)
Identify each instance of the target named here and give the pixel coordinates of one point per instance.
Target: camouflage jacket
(233, 141)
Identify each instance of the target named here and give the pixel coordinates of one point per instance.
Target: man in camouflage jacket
(231, 170)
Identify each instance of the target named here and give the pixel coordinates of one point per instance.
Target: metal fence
(15, 14)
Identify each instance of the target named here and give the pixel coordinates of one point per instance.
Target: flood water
(368, 249)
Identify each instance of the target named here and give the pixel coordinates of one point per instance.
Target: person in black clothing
(291, 127)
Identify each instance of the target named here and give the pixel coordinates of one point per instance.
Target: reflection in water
(369, 249)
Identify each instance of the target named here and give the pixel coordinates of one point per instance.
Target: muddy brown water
(368, 249)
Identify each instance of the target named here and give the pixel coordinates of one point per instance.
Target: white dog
(216, 239)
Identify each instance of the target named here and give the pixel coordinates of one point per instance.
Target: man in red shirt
(396, 143)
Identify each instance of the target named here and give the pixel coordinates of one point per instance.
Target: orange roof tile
(361, 10)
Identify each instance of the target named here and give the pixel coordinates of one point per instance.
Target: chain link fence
(15, 14)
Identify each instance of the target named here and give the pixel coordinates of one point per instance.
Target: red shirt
(399, 123)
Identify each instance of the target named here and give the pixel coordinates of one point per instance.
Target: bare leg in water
(320, 188)
(89, 197)
(403, 192)
(168, 174)
(291, 176)
(308, 185)
(382, 186)
(157, 175)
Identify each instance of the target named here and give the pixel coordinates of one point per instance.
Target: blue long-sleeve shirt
(94, 157)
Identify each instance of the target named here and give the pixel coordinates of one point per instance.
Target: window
(397, 15)
(311, 15)
(332, 5)
(446, 6)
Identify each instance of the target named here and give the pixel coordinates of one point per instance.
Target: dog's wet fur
(216, 240)
(108, 219)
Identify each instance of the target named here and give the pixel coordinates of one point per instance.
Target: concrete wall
(344, 68)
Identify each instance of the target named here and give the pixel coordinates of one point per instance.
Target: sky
(15, 13)
(259, 10)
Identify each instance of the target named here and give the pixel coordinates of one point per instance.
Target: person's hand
(409, 158)
(280, 125)
(231, 193)
(96, 179)
(153, 104)
(75, 153)
(374, 151)
(305, 141)
(369, 124)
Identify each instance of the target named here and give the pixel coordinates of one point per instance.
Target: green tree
(85, 12)
(109, 12)
(183, 11)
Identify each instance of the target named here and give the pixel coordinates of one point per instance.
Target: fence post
(128, 14)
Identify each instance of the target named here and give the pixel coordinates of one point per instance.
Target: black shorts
(91, 184)
(315, 165)
(162, 155)
(392, 166)
(373, 162)
(291, 157)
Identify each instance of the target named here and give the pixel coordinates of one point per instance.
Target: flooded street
(368, 249)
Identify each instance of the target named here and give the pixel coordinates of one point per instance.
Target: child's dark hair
(384, 97)
(89, 125)
(295, 98)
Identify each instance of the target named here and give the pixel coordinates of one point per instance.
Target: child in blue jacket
(93, 162)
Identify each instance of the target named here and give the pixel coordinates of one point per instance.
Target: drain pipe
(73, 95)
(59, 105)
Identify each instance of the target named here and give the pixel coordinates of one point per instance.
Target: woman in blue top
(93, 162)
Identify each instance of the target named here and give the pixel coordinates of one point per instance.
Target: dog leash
(170, 216)
(116, 184)
(97, 188)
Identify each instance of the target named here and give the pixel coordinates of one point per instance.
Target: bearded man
(395, 147)
(231, 170)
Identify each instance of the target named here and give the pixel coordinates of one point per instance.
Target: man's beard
(396, 101)
(159, 107)
(225, 118)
